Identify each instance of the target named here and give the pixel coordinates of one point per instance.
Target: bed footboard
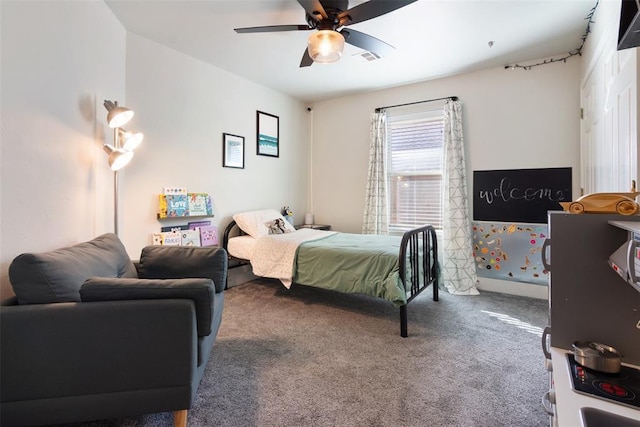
(418, 263)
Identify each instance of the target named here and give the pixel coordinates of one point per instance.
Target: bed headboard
(232, 230)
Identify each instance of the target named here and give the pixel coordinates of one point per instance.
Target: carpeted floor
(308, 357)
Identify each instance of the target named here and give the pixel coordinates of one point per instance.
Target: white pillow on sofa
(254, 223)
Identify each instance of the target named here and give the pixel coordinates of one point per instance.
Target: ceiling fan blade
(370, 9)
(314, 9)
(367, 42)
(272, 28)
(306, 59)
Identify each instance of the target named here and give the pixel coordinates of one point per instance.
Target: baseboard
(513, 288)
(239, 275)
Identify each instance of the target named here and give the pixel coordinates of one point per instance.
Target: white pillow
(254, 223)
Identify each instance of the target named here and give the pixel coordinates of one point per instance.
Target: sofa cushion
(56, 276)
(176, 262)
(200, 291)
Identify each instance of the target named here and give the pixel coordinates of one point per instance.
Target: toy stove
(622, 388)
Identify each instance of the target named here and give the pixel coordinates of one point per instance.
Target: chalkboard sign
(520, 195)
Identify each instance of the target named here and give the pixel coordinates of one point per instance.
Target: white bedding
(273, 255)
(241, 247)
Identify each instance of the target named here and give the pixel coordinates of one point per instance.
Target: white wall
(512, 119)
(58, 61)
(61, 59)
(183, 106)
(606, 23)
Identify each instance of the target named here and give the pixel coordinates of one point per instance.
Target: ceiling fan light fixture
(325, 46)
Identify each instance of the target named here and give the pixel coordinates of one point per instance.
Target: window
(414, 168)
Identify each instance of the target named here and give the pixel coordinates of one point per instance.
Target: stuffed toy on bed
(276, 226)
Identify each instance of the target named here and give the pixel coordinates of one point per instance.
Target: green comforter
(352, 263)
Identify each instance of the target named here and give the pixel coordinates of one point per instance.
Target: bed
(394, 268)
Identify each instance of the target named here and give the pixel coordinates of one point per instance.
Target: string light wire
(577, 52)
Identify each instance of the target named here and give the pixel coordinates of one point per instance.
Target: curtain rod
(453, 98)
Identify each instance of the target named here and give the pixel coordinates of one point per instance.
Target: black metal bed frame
(419, 257)
(418, 263)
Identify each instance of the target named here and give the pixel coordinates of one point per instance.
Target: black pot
(596, 356)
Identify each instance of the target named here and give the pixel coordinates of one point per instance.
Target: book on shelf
(199, 204)
(176, 228)
(208, 235)
(167, 238)
(173, 205)
(190, 237)
(196, 224)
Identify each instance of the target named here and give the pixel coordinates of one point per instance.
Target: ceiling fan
(329, 18)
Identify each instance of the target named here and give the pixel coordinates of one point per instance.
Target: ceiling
(433, 38)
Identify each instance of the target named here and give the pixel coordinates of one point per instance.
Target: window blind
(414, 170)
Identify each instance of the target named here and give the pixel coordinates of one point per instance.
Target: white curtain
(375, 209)
(458, 268)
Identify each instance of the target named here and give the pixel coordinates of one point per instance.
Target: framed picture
(268, 135)
(232, 151)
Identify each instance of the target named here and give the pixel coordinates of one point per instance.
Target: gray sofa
(91, 335)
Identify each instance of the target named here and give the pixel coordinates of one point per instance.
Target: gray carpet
(308, 357)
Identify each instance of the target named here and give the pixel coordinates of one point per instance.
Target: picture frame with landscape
(268, 134)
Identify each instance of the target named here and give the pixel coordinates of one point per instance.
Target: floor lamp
(121, 151)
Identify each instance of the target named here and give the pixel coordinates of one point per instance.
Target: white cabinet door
(609, 155)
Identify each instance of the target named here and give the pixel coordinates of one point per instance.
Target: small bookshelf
(191, 205)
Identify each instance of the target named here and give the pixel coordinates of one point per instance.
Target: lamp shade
(130, 140)
(117, 116)
(325, 46)
(118, 158)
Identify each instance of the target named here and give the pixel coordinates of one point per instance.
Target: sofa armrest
(175, 262)
(75, 349)
(200, 291)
